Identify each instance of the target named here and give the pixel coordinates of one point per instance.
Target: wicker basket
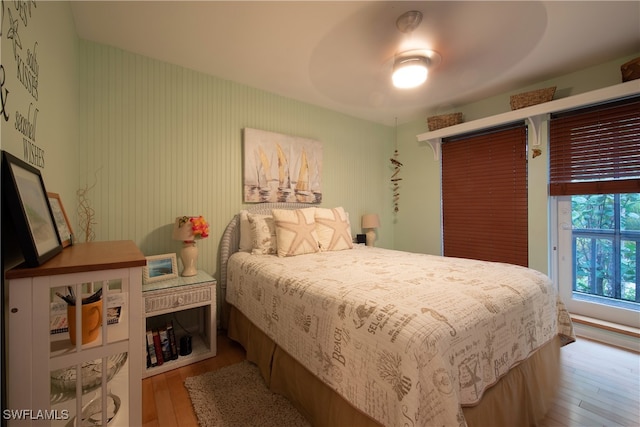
(534, 97)
(443, 121)
(630, 70)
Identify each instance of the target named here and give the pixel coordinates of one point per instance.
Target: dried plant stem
(86, 214)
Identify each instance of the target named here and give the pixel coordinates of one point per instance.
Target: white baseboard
(607, 336)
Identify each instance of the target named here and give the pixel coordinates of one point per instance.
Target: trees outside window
(605, 235)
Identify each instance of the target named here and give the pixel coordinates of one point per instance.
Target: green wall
(160, 141)
(153, 141)
(40, 84)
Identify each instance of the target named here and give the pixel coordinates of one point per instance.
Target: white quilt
(406, 338)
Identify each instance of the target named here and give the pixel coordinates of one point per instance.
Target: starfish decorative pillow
(334, 229)
(295, 231)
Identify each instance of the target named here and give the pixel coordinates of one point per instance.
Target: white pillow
(263, 234)
(334, 229)
(245, 232)
(295, 231)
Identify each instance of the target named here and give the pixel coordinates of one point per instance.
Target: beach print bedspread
(406, 338)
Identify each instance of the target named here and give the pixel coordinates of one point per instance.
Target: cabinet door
(19, 350)
(56, 379)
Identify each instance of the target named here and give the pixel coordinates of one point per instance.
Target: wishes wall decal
(27, 71)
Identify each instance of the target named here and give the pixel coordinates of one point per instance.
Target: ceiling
(339, 54)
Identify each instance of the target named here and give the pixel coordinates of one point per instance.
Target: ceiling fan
(410, 67)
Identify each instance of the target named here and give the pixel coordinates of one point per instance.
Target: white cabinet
(189, 304)
(51, 381)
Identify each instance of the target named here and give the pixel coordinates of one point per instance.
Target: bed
(359, 336)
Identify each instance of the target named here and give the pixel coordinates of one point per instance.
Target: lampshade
(370, 221)
(410, 71)
(182, 230)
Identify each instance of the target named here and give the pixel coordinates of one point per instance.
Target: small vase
(189, 256)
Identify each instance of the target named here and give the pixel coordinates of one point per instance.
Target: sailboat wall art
(281, 168)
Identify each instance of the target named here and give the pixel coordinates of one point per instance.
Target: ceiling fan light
(409, 72)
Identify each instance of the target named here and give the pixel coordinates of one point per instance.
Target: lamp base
(371, 238)
(189, 256)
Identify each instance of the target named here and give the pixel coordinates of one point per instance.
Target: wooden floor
(600, 387)
(165, 400)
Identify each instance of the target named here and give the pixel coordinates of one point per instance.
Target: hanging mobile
(395, 178)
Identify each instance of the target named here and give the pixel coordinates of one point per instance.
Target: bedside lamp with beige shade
(370, 222)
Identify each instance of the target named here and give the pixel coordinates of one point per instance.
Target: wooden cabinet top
(82, 257)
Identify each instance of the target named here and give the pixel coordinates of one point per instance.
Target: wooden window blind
(484, 195)
(595, 150)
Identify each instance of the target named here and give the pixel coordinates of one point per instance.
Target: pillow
(263, 234)
(245, 232)
(334, 229)
(295, 231)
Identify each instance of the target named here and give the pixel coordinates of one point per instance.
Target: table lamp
(370, 222)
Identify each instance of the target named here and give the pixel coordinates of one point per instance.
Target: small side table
(194, 299)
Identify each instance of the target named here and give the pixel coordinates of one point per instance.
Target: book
(152, 360)
(58, 318)
(113, 315)
(164, 344)
(172, 340)
(158, 347)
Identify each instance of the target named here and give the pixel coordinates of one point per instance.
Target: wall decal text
(4, 95)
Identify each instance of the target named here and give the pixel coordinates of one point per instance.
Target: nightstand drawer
(177, 299)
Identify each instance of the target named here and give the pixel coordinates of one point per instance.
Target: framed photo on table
(160, 267)
(62, 222)
(27, 201)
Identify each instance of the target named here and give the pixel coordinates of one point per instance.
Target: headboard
(230, 244)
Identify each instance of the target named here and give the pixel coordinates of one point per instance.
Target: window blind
(595, 150)
(484, 195)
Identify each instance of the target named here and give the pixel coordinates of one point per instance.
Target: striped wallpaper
(159, 141)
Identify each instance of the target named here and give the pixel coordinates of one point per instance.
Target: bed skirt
(521, 398)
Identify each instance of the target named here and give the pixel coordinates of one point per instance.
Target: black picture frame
(26, 197)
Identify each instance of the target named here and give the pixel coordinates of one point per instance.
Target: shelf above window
(534, 115)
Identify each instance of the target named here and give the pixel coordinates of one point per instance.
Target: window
(597, 260)
(605, 237)
(594, 156)
(484, 195)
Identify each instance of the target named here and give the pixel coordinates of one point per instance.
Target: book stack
(161, 345)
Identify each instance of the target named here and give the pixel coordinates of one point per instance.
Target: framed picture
(27, 201)
(160, 267)
(62, 222)
(281, 168)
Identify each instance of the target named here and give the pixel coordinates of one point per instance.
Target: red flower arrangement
(199, 226)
